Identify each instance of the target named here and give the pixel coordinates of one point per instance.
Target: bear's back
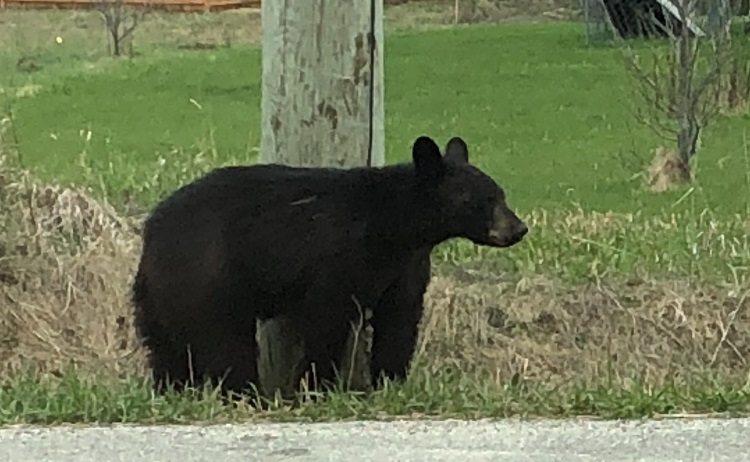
(275, 230)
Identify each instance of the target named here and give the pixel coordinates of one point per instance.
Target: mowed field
(621, 301)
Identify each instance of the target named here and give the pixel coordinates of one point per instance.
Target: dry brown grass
(473, 11)
(33, 31)
(67, 262)
(36, 30)
(655, 331)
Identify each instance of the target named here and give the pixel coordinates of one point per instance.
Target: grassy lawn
(543, 113)
(621, 303)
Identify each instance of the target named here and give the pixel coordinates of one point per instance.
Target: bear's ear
(457, 151)
(427, 159)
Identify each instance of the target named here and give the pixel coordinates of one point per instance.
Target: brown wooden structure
(169, 5)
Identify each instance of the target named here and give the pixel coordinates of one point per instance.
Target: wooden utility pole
(322, 105)
(719, 19)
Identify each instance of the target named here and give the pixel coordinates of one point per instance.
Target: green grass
(691, 245)
(541, 112)
(545, 115)
(69, 398)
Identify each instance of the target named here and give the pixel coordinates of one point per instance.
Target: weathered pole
(719, 19)
(322, 105)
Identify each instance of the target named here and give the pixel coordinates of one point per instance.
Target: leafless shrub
(678, 86)
(121, 21)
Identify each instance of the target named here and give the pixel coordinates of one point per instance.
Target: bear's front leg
(396, 319)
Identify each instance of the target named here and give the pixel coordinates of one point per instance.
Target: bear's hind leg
(226, 357)
(169, 366)
(168, 362)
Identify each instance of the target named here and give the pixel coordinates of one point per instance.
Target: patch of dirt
(666, 171)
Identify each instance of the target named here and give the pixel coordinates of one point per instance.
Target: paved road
(701, 440)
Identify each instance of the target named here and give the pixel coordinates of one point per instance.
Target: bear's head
(470, 203)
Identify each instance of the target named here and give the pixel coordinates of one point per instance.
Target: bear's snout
(507, 229)
(520, 231)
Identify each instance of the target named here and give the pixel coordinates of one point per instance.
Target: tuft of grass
(69, 397)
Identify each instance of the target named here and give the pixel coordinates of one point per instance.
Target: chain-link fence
(648, 18)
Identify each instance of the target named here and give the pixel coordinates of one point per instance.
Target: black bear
(253, 242)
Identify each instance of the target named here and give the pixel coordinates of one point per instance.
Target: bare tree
(121, 20)
(677, 85)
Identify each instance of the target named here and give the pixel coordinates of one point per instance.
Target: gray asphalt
(671, 440)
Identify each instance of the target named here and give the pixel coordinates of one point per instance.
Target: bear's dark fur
(253, 242)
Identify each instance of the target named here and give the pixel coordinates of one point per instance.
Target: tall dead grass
(65, 264)
(67, 259)
(653, 331)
